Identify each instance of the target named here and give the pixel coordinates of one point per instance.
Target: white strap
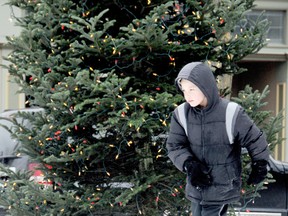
(231, 109)
(180, 113)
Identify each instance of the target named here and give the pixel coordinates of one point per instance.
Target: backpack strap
(181, 116)
(232, 110)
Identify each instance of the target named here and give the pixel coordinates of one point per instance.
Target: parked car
(8, 148)
(274, 199)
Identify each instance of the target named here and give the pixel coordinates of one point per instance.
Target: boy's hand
(198, 174)
(258, 173)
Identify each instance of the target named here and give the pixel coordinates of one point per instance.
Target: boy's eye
(191, 89)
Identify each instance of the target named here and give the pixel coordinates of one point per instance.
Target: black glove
(258, 173)
(198, 174)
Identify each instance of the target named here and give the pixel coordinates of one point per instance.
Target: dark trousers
(209, 210)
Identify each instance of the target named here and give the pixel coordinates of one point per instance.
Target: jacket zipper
(202, 135)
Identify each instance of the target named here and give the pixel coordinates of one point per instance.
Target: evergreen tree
(104, 75)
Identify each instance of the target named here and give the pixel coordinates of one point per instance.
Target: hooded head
(201, 75)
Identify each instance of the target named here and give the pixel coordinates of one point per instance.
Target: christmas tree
(104, 75)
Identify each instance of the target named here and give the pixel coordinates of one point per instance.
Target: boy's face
(192, 94)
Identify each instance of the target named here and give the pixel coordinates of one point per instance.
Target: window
(277, 24)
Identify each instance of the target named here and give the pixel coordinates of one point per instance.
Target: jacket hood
(201, 75)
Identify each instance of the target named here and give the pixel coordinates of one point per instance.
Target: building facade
(9, 99)
(268, 67)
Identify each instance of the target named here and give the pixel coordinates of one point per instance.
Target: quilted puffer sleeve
(177, 144)
(251, 137)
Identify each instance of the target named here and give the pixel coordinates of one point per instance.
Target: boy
(203, 150)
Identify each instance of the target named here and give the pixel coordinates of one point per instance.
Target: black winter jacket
(207, 140)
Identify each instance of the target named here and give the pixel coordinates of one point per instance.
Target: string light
(129, 143)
